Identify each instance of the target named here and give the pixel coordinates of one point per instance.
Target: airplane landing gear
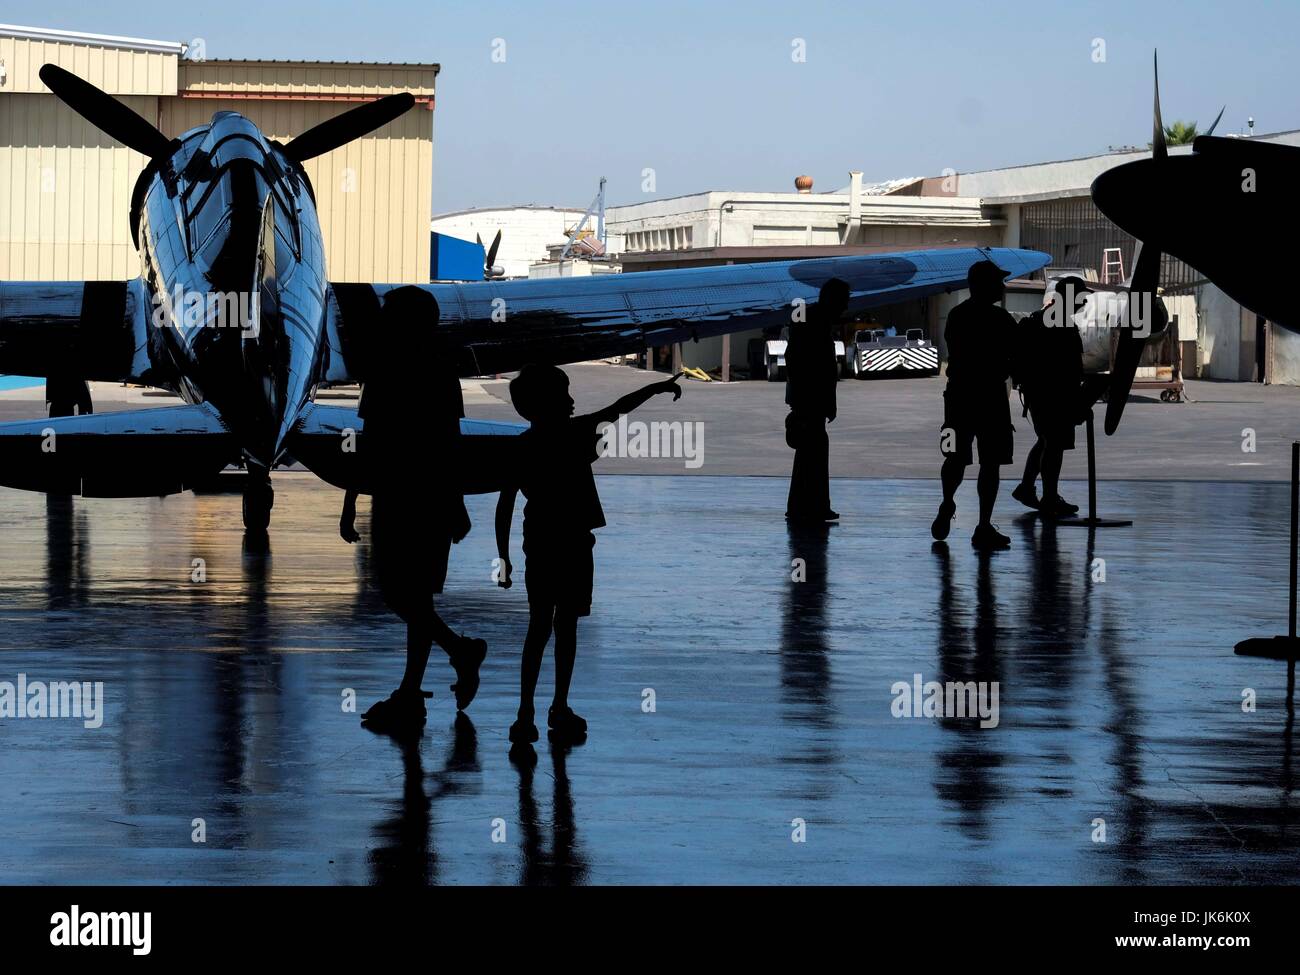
(259, 499)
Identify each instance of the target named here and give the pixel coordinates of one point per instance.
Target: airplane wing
(128, 454)
(79, 329)
(326, 439)
(498, 326)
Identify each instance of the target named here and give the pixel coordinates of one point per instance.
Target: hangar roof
(94, 40)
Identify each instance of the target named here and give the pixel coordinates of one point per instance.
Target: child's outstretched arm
(631, 401)
(505, 517)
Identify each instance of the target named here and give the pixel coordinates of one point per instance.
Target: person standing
(979, 335)
(1051, 379)
(812, 372)
(553, 469)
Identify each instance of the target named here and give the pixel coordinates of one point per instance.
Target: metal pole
(1092, 473)
(1295, 510)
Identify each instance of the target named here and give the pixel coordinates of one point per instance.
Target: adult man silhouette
(979, 336)
(812, 372)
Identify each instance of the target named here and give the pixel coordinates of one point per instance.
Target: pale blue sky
(709, 96)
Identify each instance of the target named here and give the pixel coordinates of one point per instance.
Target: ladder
(1112, 262)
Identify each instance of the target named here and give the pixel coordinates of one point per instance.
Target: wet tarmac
(1120, 703)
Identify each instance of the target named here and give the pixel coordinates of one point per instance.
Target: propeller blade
(105, 112)
(1128, 353)
(1159, 150)
(1142, 289)
(492, 251)
(352, 124)
(1215, 123)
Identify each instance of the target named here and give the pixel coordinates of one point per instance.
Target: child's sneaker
(987, 538)
(523, 732)
(565, 723)
(466, 659)
(400, 711)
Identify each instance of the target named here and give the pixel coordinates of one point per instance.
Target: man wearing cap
(1050, 374)
(979, 336)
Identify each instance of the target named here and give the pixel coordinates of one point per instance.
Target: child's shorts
(408, 555)
(560, 572)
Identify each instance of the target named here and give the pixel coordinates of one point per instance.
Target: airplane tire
(259, 499)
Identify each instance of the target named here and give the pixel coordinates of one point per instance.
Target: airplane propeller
(490, 269)
(1215, 124)
(352, 124)
(105, 112)
(109, 115)
(1142, 288)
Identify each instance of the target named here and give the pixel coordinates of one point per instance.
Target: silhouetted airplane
(223, 211)
(1222, 209)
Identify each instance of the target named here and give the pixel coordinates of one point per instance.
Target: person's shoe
(987, 538)
(400, 711)
(943, 520)
(1060, 507)
(565, 723)
(1026, 495)
(832, 515)
(466, 660)
(523, 732)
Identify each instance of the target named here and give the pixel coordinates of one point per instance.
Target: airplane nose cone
(1130, 197)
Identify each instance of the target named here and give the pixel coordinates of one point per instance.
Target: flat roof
(95, 40)
(1124, 151)
(502, 209)
(297, 63)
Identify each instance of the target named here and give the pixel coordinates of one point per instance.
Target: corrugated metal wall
(65, 193)
(65, 187)
(374, 195)
(117, 70)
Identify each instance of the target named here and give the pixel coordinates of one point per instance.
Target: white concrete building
(526, 231)
(859, 215)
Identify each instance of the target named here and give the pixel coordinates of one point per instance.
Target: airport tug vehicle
(876, 354)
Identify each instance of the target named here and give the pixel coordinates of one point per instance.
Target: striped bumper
(902, 360)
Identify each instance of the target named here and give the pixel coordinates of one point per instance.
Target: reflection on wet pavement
(1120, 701)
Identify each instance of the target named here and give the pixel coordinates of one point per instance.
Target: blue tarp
(453, 259)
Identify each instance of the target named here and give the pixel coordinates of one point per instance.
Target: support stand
(1092, 521)
(1283, 647)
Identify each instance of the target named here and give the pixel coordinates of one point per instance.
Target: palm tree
(1181, 133)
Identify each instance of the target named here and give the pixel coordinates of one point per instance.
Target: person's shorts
(409, 553)
(1053, 422)
(983, 417)
(560, 572)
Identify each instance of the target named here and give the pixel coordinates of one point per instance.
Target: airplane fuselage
(234, 269)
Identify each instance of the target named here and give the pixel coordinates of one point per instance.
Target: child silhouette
(554, 472)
